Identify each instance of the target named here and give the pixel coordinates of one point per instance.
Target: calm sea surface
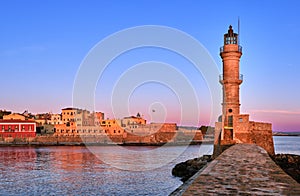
(101, 170)
(287, 144)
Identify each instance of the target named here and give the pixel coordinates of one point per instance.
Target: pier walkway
(243, 169)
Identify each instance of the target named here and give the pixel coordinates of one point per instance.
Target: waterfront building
(55, 119)
(42, 119)
(14, 116)
(75, 122)
(126, 124)
(97, 117)
(65, 129)
(233, 127)
(17, 128)
(81, 117)
(73, 130)
(69, 115)
(133, 121)
(131, 129)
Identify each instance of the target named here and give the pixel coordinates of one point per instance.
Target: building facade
(77, 122)
(68, 115)
(14, 116)
(17, 128)
(55, 119)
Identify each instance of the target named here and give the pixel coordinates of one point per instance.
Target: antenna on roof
(239, 31)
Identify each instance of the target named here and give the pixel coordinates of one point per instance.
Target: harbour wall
(103, 139)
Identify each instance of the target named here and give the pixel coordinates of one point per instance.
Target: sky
(43, 44)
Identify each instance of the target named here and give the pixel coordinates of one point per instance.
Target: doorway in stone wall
(228, 134)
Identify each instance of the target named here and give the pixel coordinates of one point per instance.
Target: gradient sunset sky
(43, 43)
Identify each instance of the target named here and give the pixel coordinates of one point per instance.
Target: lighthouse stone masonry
(233, 127)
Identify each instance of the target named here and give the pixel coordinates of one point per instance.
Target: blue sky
(44, 42)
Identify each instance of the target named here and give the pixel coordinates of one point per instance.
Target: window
(240, 119)
(230, 121)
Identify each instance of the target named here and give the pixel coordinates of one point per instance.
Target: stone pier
(243, 169)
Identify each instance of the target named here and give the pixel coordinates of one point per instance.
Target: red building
(17, 128)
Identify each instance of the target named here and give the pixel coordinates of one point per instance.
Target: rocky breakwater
(187, 169)
(289, 163)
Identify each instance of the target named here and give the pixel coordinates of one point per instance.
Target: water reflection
(73, 170)
(17, 158)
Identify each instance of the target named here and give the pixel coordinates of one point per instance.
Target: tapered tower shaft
(231, 78)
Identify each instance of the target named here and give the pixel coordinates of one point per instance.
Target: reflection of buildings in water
(20, 157)
(70, 158)
(76, 161)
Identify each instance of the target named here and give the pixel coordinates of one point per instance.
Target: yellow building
(55, 119)
(14, 116)
(76, 121)
(68, 115)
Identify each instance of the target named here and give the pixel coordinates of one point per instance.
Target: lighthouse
(231, 79)
(233, 127)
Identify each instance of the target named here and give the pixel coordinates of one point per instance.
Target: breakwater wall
(243, 169)
(128, 139)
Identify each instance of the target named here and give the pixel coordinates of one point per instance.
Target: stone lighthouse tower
(231, 79)
(233, 127)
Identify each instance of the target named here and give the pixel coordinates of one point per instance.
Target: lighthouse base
(243, 131)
